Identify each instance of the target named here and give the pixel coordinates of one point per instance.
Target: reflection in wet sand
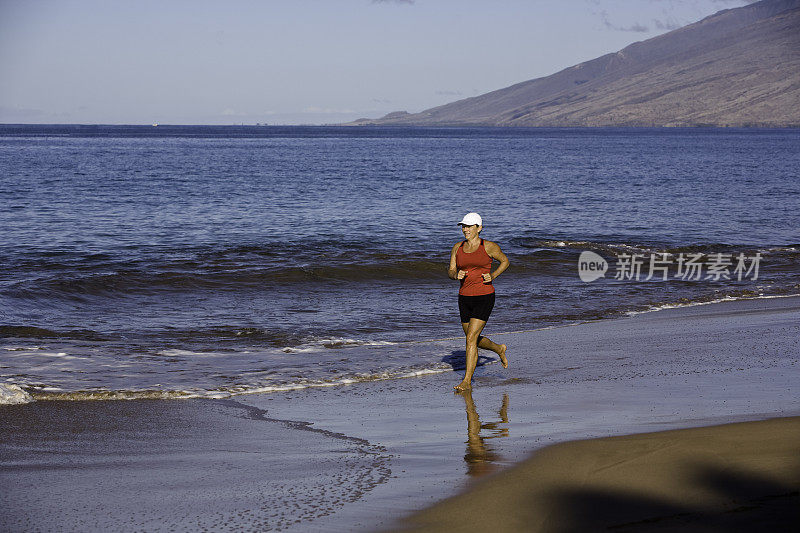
(480, 455)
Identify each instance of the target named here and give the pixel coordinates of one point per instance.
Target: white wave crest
(728, 298)
(49, 393)
(316, 344)
(13, 394)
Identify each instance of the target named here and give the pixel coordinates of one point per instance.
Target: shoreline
(12, 393)
(285, 460)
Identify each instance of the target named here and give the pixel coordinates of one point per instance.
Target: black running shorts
(479, 307)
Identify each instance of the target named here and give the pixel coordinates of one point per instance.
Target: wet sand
(182, 465)
(735, 477)
(362, 457)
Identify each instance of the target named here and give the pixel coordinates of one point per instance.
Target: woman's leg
(487, 344)
(473, 331)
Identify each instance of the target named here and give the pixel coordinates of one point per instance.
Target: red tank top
(476, 264)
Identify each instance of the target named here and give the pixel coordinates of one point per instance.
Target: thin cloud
(230, 112)
(636, 27)
(21, 112)
(409, 2)
(666, 24)
(327, 110)
(684, 2)
(448, 93)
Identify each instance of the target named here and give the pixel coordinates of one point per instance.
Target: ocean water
(207, 261)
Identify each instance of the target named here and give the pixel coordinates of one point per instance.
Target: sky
(297, 61)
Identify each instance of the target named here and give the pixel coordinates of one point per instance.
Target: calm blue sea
(140, 260)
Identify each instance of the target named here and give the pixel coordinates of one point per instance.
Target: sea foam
(13, 394)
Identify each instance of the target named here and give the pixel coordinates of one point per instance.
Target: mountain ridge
(737, 67)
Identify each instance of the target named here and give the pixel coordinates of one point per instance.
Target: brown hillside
(738, 67)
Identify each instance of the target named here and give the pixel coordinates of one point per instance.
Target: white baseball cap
(471, 219)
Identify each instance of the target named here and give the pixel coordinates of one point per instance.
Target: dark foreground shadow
(754, 504)
(729, 478)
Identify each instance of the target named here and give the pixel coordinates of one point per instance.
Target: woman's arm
(453, 270)
(495, 252)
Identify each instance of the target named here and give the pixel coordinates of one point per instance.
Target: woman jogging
(471, 263)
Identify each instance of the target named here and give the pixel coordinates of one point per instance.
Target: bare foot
(502, 355)
(461, 387)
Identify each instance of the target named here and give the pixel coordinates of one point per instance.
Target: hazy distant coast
(737, 68)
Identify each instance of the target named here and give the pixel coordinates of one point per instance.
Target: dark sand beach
(365, 456)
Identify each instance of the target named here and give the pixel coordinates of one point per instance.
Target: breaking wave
(12, 394)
